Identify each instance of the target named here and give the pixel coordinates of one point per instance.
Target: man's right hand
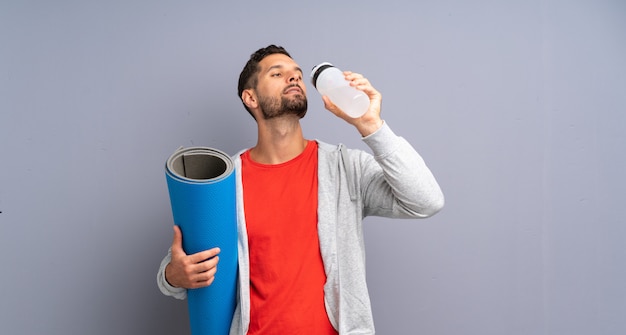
(190, 271)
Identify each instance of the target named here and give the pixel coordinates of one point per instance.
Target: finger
(363, 84)
(360, 82)
(177, 241)
(329, 105)
(200, 269)
(204, 279)
(205, 275)
(208, 265)
(204, 255)
(352, 75)
(202, 283)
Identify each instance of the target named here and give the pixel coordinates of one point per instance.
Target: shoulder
(237, 157)
(340, 153)
(326, 147)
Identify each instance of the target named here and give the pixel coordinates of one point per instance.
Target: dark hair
(248, 77)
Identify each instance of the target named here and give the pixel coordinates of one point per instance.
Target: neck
(280, 140)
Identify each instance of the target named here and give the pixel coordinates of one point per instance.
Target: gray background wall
(517, 106)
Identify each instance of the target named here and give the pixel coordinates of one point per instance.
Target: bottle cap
(317, 69)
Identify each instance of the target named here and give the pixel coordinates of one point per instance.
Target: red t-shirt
(286, 269)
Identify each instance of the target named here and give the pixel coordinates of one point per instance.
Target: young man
(300, 206)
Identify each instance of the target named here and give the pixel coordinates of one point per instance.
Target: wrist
(369, 127)
(165, 275)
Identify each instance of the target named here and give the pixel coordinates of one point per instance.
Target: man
(300, 207)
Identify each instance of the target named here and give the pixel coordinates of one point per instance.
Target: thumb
(330, 106)
(177, 242)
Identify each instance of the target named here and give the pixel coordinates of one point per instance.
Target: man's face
(280, 88)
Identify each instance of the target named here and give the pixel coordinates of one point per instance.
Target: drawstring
(346, 164)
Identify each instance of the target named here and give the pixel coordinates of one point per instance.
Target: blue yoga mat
(201, 184)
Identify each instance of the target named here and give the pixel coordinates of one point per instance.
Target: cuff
(382, 140)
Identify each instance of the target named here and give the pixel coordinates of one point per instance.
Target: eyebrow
(280, 66)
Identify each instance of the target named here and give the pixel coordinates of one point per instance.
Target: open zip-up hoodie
(352, 184)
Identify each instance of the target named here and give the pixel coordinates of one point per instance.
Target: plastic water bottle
(330, 81)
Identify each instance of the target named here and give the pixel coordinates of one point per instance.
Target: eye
(277, 74)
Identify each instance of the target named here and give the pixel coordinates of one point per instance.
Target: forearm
(405, 176)
(164, 286)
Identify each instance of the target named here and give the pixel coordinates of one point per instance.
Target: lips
(292, 89)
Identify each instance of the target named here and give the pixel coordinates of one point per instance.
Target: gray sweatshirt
(352, 184)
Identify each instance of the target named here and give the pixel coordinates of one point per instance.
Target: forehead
(277, 61)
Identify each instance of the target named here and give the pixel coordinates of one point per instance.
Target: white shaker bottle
(330, 81)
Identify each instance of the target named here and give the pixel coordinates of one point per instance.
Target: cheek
(273, 89)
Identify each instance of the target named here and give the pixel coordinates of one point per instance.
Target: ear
(249, 98)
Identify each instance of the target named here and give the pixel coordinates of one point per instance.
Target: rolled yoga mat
(201, 184)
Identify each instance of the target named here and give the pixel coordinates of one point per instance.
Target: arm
(395, 182)
(179, 271)
(165, 287)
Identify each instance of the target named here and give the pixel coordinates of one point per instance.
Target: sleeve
(395, 181)
(164, 286)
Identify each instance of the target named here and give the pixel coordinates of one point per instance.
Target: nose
(295, 77)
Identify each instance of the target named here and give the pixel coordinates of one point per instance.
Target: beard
(273, 107)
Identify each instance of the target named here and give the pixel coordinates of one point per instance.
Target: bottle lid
(317, 69)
